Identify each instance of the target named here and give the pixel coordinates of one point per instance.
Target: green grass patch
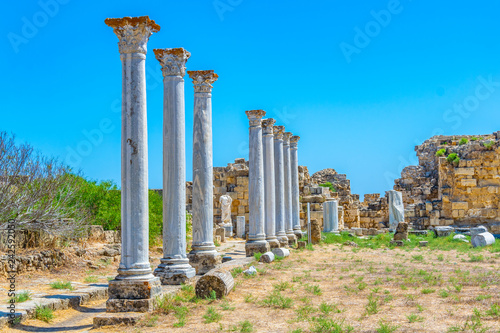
(61, 285)
(44, 314)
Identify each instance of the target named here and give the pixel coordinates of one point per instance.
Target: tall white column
(279, 185)
(256, 233)
(294, 173)
(269, 182)
(288, 189)
(135, 279)
(174, 267)
(203, 256)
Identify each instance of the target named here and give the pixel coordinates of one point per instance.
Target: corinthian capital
(255, 117)
(286, 138)
(172, 61)
(133, 33)
(203, 80)
(278, 132)
(294, 140)
(267, 126)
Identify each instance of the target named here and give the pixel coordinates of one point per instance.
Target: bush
(463, 141)
(453, 158)
(441, 152)
(329, 185)
(489, 144)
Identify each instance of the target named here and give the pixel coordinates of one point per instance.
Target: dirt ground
(337, 288)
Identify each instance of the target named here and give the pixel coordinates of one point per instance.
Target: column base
(203, 261)
(298, 233)
(292, 240)
(253, 247)
(283, 241)
(273, 243)
(132, 295)
(174, 272)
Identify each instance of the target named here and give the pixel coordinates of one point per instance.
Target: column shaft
(257, 237)
(288, 190)
(294, 173)
(269, 183)
(134, 273)
(174, 267)
(203, 255)
(279, 185)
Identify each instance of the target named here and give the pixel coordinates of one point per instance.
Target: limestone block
(401, 231)
(242, 181)
(241, 210)
(469, 182)
(464, 171)
(315, 231)
(460, 205)
(483, 239)
(222, 233)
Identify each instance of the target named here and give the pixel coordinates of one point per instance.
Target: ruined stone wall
(350, 202)
(374, 211)
(463, 193)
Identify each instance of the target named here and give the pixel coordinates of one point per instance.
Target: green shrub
(453, 158)
(441, 152)
(329, 185)
(489, 144)
(473, 138)
(463, 141)
(44, 314)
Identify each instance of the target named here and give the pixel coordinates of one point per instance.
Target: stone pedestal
(256, 235)
(279, 179)
(203, 256)
(127, 291)
(294, 174)
(174, 267)
(269, 182)
(292, 239)
(240, 226)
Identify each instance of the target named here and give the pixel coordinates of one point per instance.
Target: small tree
(35, 190)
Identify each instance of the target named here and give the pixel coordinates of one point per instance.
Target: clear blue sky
(359, 102)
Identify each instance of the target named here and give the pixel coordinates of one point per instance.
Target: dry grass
(333, 289)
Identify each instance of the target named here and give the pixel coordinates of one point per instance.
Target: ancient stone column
(135, 286)
(294, 174)
(203, 255)
(256, 233)
(269, 182)
(292, 239)
(174, 267)
(330, 216)
(279, 185)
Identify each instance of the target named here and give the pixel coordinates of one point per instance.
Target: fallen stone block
(250, 271)
(423, 243)
(226, 259)
(477, 230)
(267, 257)
(397, 242)
(460, 238)
(483, 239)
(401, 231)
(301, 244)
(217, 280)
(281, 252)
(443, 231)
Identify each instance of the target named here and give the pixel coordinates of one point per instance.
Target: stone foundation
(203, 262)
(132, 295)
(256, 247)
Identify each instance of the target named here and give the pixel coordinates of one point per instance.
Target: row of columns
(273, 176)
(136, 284)
(274, 219)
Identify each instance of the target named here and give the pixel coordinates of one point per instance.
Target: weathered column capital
(172, 61)
(267, 126)
(294, 140)
(133, 33)
(255, 117)
(278, 132)
(203, 80)
(286, 138)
